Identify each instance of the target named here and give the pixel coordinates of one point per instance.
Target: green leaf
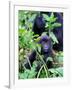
(53, 37)
(31, 19)
(60, 69)
(52, 18)
(46, 17)
(57, 72)
(52, 15)
(49, 59)
(39, 47)
(56, 25)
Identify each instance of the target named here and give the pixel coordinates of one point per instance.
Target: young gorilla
(39, 28)
(46, 51)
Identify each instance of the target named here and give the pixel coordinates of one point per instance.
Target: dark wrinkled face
(40, 22)
(46, 44)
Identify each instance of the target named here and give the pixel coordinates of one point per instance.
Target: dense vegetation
(28, 42)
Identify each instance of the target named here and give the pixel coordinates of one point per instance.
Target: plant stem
(40, 71)
(45, 66)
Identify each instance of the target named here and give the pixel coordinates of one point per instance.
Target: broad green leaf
(60, 70)
(56, 25)
(39, 47)
(53, 37)
(46, 17)
(49, 59)
(57, 71)
(31, 19)
(52, 18)
(52, 15)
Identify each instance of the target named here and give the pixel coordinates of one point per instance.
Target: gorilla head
(46, 44)
(39, 25)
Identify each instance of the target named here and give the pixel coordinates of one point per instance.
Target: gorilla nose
(46, 47)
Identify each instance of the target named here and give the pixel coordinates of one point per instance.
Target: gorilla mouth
(45, 50)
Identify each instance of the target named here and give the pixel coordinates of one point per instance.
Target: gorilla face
(46, 44)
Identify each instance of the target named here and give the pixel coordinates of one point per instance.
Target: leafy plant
(29, 42)
(26, 39)
(50, 25)
(28, 73)
(56, 72)
(58, 59)
(26, 19)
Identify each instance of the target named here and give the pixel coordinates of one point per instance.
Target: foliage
(28, 73)
(28, 43)
(25, 19)
(26, 39)
(50, 25)
(56, 72)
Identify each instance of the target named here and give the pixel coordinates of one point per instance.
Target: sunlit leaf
(56, 25)
(49, 59)
(46, 17)
(31, 19)
(53, 37)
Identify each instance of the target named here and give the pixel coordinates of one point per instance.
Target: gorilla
(46, 51)
(39, 28)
